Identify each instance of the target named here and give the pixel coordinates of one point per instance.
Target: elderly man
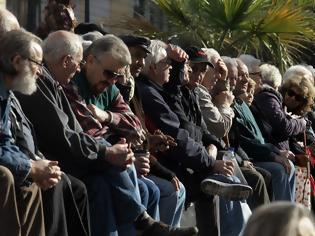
(20, 62)
(218, 117)
(248, 136)
(172, 191)
(104, 168)
(252, 65)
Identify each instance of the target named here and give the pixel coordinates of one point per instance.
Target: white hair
(250, 61)
(270, 75)
(298, 70)
(211, 54)
(157, 53)
(61, 43)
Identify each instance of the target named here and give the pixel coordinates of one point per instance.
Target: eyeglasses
(112, 75)
(255, 73)
(39, 63)
(82, 63)
(298, 97)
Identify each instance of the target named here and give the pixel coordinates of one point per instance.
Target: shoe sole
(234, 192)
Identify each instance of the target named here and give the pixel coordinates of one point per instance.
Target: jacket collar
(4, 93)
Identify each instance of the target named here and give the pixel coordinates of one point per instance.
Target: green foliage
(278, 31)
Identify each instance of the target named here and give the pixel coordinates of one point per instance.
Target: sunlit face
(138, 56)
(242, 80)
(256, 76)
(293, 98)
(187, 72)
(25, 80)
(162, 71)
(232, 76)
(72, 65)
(103, 72)
(198, 73)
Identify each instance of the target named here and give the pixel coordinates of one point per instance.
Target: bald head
(61, 43)
(8, 22)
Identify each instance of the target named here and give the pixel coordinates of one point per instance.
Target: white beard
(25, 82)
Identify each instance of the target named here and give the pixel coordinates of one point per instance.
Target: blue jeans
(283, 184)
(114, 201)
(171, 202)
(232, 216)
(150, 197)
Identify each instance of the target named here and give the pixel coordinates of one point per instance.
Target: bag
(303, 183)
(303, 186)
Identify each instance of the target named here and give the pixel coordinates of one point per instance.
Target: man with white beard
(24, 171)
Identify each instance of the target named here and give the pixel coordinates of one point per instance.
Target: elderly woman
(254, 71)
(270, 112)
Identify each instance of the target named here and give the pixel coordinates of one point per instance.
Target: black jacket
(59, 135)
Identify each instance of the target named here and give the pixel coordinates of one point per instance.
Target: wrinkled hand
(223, 167)
(175, 182)
(100, 115)
(176, 53)
(142, 164)
(221, 69)
(284, 162)
(248, 164)
(287, 154)
(120, 154)
(133, 136)
(212, 151)
(161, 142)
(224, 98)
(45, 173)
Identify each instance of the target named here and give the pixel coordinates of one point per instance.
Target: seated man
(24, 168)
(173, 192)
(248, 135)
(107, 170)
(190, 159)
(218, 116)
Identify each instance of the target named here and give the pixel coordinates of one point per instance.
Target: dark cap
(135, 40)
(197, 55)
(84, 28)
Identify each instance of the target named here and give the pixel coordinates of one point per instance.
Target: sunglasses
(110, 74)
(297, 97)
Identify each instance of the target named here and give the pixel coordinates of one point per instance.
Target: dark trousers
(66, 208)
(256, 181)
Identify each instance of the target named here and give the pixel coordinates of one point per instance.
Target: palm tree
(278, 31)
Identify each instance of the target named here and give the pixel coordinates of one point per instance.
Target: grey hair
(250, 61)
(270, 75)
(157, 53)
(288, 217)
(16, 42)
(211, 54)
(61, 43)
(92, 36)
(109, 45)
(8, 22)
(298, 70)
(229, 61)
